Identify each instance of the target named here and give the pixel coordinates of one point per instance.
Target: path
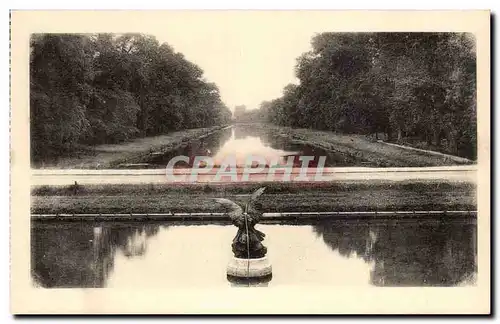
(158, 176)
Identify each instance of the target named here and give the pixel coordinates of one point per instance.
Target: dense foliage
(103, 88)
(243, 115)
(413, 87)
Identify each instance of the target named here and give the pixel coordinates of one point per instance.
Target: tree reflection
(212, 143)
(241, 132)
(82, 255)
(407, 253)
(269, 138)
(206, 146)
(284, 142)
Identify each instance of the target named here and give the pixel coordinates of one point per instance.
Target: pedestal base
(249, 268)
(250, 282)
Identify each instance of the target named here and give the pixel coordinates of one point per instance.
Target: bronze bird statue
(247, 242)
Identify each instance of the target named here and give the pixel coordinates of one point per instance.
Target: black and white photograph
(248, 152)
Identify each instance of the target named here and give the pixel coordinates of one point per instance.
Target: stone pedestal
(250, 282)
(249, 268)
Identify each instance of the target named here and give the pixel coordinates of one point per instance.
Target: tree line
(88, 89)
(412, 87)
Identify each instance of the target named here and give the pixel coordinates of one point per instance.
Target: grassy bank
(362, 149)
(359, 149)
(279, 197)
(110, 155)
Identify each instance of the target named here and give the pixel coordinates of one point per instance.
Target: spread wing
(233, 209)
(257, 193)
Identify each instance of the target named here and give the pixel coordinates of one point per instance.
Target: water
(333, 253)
(241, 141)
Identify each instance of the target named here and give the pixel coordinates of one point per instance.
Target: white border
(126, 4)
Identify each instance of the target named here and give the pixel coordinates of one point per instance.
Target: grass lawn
(108, 155)
(279, 197)
(363, 149)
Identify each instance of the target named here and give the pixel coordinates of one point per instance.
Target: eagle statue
(247, 242)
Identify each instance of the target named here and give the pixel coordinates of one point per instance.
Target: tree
(106, 88)
(412, 86)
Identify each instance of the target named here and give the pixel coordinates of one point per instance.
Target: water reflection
(241, 141)
(69, 255)
(250, 282)
(206, 146)
(433, 253)
(248, 144)
(391, 253)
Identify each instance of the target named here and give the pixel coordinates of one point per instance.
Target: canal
(241, 141)
(331, 253)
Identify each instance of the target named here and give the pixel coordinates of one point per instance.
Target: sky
(250, 55)
(250, 60)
